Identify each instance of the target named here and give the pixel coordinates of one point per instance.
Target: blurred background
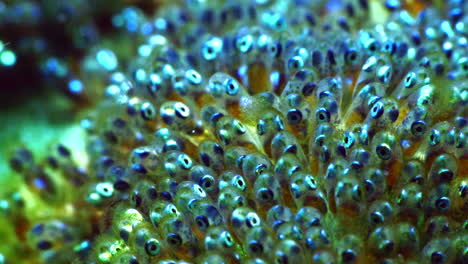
(42, 46)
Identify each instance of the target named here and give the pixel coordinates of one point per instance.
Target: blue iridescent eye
(273, 20)
(308, 89)
(105, 189)
(44, 245)
(184, 161)
(147, 111)
(348, 256)
(212, 48)
(351, 56)
(193, 77)
(265, 194)
(348, 139)
(245, 43)
(384, 73)
(370, 44)
(460, 140)
(261, 127)
(294, 116)
(382, 239)
(231, 86)
(377, 110)
(380, 212)
(174, 240)
(154, 84)
(152, 247)
(462, 64)
(442, 203)
(343, 23)
(384, 151)
(418, 128)
(322, 115)
(275, 49)
(295, 63)
(202, 222)
(389, 47)
(434, 137)
(437, 257)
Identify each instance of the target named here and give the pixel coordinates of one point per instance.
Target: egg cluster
(266, 132)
